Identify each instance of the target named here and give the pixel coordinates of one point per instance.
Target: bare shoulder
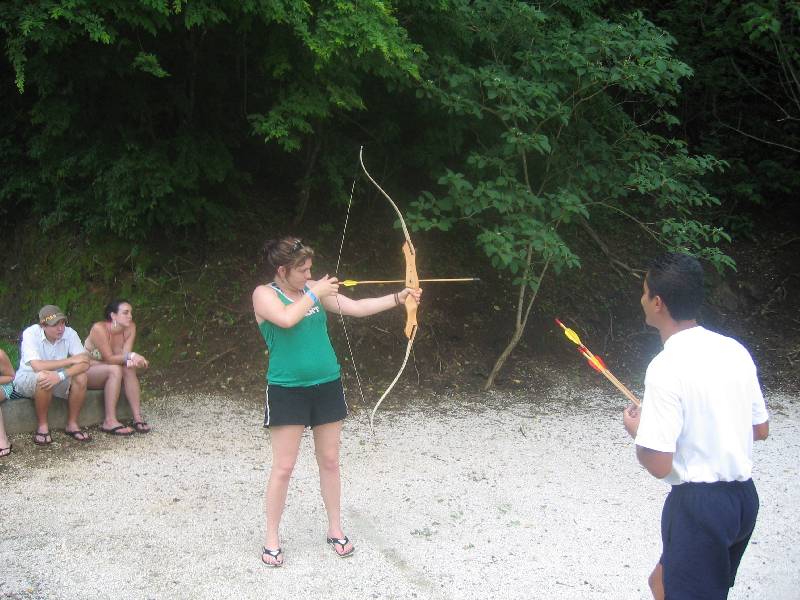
(266, 304)
(264, 288)
(263, 291)
(264, 296)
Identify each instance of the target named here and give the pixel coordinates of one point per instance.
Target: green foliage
(149, 116)
(341, 45)
(174, 293)
(742, 103)
(148, 62)
(561, 112)
(65, 271)
(131, 115)
(12, 351)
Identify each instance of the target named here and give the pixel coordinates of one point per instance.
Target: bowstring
(341, 316)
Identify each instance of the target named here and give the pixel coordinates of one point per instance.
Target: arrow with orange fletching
(597, 363)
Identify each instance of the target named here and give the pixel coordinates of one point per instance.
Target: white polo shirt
(701, 401)
(36, 346)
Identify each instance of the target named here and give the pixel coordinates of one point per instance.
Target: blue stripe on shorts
(8, 391)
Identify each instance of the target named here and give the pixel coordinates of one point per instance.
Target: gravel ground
(492, 496)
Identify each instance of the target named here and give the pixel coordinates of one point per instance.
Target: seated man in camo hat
(53, 362)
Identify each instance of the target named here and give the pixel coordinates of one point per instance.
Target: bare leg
(4, 444)
(109, 378)
(327, 439)
(656, 582)
(77, 395)
(41, 402)
(133, 392)
(285, 441)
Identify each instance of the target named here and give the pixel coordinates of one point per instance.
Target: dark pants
(705, 528)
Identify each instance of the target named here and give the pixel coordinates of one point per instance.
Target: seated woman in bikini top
(110, 345)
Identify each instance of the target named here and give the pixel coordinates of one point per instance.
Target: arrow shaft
(621, 387)
(351, 283)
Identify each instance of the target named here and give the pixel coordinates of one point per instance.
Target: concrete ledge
(19, 415)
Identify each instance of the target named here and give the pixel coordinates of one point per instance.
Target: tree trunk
(521, 321)
(501, 360)
(305, 184)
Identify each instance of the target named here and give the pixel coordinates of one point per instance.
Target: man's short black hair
(678, 279)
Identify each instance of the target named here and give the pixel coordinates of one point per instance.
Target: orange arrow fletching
(597, 363)
(593, 361)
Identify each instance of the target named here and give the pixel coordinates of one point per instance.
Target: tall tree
(559, 116)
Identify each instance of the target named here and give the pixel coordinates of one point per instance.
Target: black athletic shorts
(310, 406)
(705, 528)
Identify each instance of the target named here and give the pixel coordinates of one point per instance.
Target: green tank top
(301, 355)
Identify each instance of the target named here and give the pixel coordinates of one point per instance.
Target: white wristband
(61, 375)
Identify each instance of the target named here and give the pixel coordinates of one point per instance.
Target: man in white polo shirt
(53, 362)
(702, 409)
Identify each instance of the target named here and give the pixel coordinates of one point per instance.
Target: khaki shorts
(25, 385)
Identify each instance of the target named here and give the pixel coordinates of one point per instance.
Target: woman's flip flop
(117, 430)
(340, 542)
(274, 554)
(79, 435)
(42, 439)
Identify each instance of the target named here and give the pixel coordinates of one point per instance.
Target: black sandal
(6, 451)
(340, 542)
(116, 430)
(42, 438)
(78, 435)
(141, 427)
(274, 554)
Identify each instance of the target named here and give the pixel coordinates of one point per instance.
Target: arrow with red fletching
(597, 363)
